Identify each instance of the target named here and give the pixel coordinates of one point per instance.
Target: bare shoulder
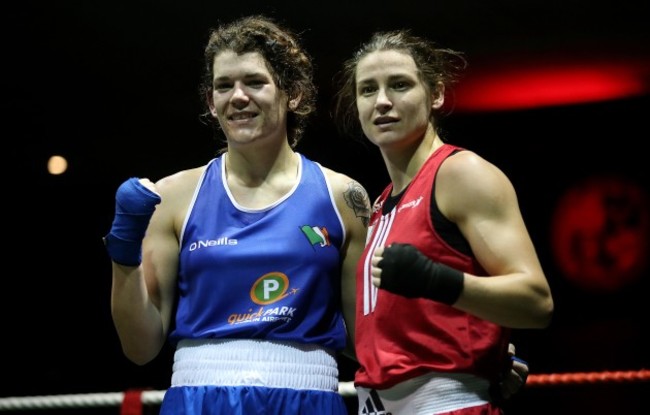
(176, 192)
(463, 163)
(351, 197)
(180, 183)
(468, 180)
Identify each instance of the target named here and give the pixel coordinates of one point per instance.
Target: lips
(385, 120)
(244, 115)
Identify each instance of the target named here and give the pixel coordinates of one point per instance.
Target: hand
(149, 185)
(135, 202)
(515, 378)
(402, 269)
(375, 270)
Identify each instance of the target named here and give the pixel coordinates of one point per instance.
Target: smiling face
(393, 103)
(246, 100)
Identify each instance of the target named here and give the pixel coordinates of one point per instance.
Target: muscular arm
(481, 200)
(354, 206)
(142, 296)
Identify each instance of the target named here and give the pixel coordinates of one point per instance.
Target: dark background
(112, 86)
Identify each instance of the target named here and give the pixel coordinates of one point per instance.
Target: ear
(438, 96)
(208, 99)
(294, 102)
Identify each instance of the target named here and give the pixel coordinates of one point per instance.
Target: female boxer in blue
(259, 246)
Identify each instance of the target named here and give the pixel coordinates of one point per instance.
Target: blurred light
(57, 165)
(601, 233)
(521, 85)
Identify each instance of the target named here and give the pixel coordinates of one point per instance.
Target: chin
(385, 138)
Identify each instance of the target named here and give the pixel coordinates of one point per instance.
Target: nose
(239, 98)
(383, 103)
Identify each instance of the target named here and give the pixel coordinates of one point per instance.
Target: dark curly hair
(289, 64)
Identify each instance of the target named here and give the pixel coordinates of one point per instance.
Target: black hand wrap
(407, 271)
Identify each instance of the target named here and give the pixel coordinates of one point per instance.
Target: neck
(250, 168)
(403, 164)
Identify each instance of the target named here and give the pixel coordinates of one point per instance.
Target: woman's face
(245, 99)
(393, 103)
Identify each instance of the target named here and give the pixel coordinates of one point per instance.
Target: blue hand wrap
(134, 206)
(517, 359)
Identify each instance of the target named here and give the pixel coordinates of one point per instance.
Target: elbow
(545, 310)
(138, 350)
(544, 307)
(138, 357)
(140, 362)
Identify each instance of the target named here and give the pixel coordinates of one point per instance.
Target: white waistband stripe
(254, 363)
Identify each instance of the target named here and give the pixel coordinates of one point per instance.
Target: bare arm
(354, 206)
(481, 200)
(142, 296)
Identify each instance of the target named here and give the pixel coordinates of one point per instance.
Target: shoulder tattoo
(357, 199)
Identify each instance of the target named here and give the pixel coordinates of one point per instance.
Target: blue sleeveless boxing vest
(271, 273)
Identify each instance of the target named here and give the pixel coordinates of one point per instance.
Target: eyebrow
(252, 75)
(391, 78)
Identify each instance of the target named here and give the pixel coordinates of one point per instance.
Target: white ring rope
(112, 399)
(346, 389)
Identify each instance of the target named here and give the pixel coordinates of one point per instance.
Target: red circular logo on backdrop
(601, 233)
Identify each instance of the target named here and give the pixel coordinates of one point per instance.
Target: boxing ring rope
(135, 398)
